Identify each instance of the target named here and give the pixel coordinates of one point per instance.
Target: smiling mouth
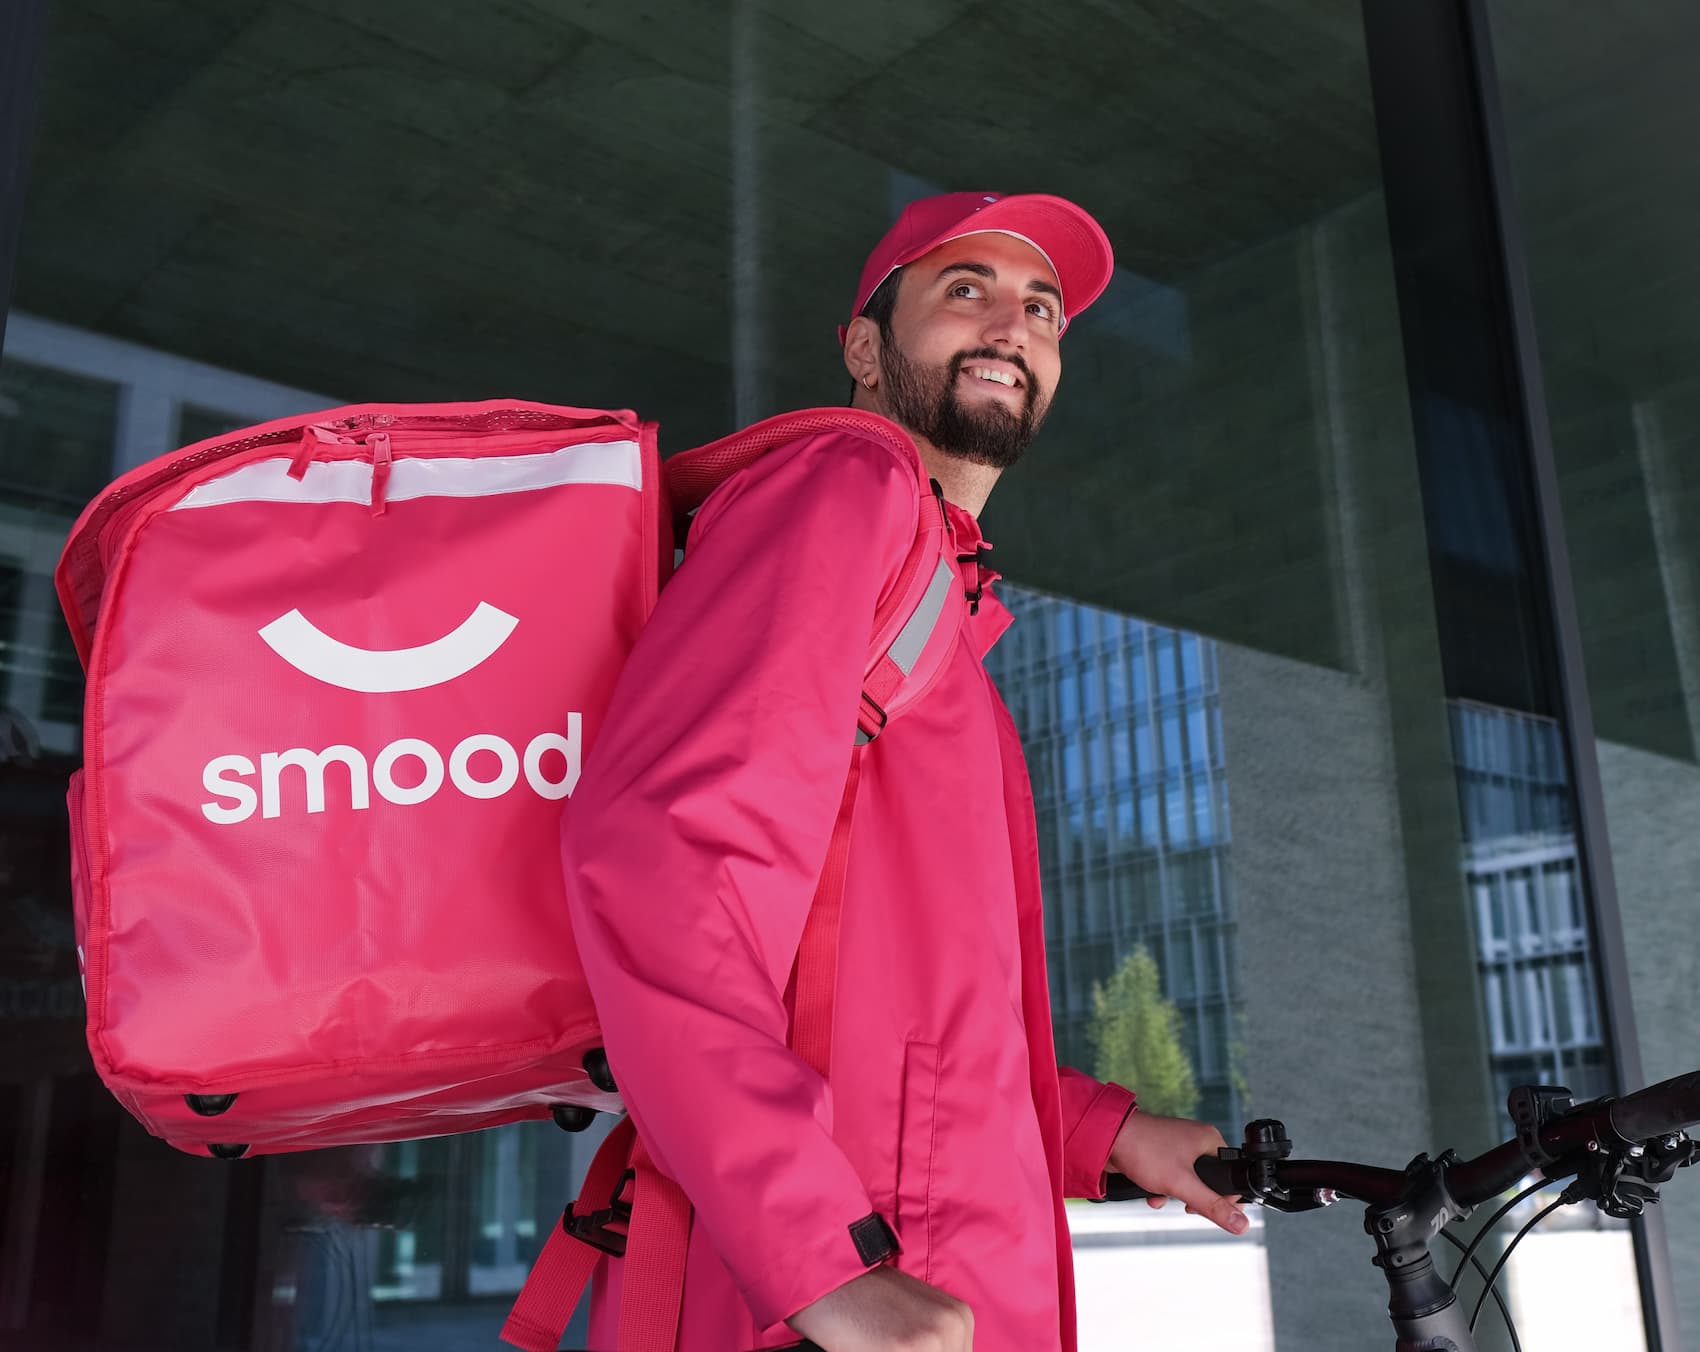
(1008, 379)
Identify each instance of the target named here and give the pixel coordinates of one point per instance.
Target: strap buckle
(863, 736)
(978, 559)
(597, 1228)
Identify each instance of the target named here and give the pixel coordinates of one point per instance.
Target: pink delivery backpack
(343, 672)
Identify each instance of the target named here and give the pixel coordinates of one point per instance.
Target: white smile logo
(311, 651)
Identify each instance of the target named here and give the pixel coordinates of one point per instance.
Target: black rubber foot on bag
(596, 1066)
(227, 1152)
(572, 1116)
(209, 1105)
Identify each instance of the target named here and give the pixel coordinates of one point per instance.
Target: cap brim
(1071, 241)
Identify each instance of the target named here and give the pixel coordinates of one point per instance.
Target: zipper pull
(378, 443)
(313, 436)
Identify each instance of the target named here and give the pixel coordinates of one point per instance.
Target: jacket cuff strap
(875, 1243)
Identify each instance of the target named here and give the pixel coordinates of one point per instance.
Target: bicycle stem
(1425, 1310)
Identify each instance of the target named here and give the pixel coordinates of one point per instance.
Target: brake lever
(1293, 1203)
(1623, 1183)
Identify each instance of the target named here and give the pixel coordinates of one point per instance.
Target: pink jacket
(695, 840)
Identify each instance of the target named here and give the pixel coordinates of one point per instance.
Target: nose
(1006, 322)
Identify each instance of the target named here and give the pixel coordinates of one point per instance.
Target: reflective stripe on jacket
(694, 843)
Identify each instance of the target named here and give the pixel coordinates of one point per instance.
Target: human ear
(862, 351)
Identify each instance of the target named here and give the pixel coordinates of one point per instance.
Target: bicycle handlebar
(1620, 1151)
(1656, 1111)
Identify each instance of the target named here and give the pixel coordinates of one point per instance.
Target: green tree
(1137, 1035)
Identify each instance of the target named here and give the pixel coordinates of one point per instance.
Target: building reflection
(1122, 725)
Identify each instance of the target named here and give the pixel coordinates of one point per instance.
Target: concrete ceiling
(411, 198)
(665, 203)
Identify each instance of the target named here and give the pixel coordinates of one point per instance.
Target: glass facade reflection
(1609, 200)
(1122, 725)
(1532, 929)
(1268, 541)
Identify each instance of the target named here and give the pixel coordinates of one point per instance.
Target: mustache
(992, 354)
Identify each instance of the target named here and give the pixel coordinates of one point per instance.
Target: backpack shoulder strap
(914, 630)
(692, 475)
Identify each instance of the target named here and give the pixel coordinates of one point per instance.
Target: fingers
(1158, 1203)
(1225, 1212)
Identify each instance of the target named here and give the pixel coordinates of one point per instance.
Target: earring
(868, 380)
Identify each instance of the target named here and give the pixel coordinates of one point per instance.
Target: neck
(965, 484)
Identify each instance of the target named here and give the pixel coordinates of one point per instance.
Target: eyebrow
(991, 275)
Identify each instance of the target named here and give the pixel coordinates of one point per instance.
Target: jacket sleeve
(696, 835)
(1092, 1114)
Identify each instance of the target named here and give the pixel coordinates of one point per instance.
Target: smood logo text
(425, 769)
(226, 776)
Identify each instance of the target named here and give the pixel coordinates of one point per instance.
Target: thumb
(1225, 1212)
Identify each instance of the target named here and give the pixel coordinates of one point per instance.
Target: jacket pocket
(917, 1147)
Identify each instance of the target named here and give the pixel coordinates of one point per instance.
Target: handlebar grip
(1216, 1174)
(1658, 1109)
(1120, 1189)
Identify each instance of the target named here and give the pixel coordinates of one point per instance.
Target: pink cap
(1071, 241)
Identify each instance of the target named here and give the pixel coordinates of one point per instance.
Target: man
(912, 1198)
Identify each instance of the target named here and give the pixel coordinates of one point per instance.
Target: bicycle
(1619, 1151)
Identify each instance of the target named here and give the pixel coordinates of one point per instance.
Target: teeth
(1002, 377)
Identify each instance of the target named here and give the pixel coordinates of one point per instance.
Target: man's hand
(887, 1311)
(1158, 1152)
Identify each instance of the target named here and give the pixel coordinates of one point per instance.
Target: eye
(965, 290)
(1043, 309)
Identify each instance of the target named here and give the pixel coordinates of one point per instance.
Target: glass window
(57, 432)
(1197, 741)
(1092, 702)
(1098, 780)
(1073, 786)
(1150, 829)
(1122, 753)
(1144, 756)
(1192, 675)
(1173, 759)
(1066, 620)
(1115, 678)
(1175, 804)
(1163, 659)
(1181, 981)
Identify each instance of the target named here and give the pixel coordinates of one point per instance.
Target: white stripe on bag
(618, 463)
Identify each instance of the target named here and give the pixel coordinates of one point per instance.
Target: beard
(986, 432)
